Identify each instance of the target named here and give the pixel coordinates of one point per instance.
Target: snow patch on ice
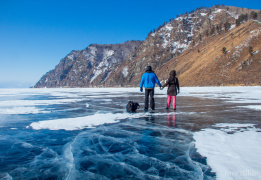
(87, 121)
(227, 155)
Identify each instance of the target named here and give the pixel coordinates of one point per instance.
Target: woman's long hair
(172, 76)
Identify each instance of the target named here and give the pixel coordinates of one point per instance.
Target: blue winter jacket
(149, 79)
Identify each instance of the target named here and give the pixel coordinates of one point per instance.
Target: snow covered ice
(86, 133)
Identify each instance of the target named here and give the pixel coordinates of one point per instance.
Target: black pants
(149, 92)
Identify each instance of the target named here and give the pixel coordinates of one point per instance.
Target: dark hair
(149, 69)
(172, 75)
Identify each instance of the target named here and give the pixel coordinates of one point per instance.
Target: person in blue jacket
(149, 78)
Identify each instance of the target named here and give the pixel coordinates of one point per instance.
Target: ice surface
(231, 156)
(79, 122)
(13, 103)
(86, 133)
(243, 95)
(255, 107)
(22, 110)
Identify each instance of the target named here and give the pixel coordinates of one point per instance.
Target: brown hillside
(199, 60)
(212, 46)
(206, 64)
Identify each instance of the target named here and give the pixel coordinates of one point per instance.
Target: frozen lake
(87, 134)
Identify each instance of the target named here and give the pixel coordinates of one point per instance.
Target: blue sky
(35, 35)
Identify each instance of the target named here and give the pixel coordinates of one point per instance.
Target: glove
(161, 88)
(141, 89)
(178, 92)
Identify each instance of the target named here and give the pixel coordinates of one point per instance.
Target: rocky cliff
(210, 46)
(89, 67)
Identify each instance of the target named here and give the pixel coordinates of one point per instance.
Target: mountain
(207, 47)
(89, 67)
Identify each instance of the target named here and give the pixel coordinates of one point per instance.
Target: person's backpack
(132, 106)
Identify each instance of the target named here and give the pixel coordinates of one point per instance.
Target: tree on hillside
(218, 29)
(224, 50)
(237, 22)
(227, 26)
(242, 18)
(251, 50)
(246, 17)
(253, 15)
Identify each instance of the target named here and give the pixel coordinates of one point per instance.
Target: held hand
(141, 89)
